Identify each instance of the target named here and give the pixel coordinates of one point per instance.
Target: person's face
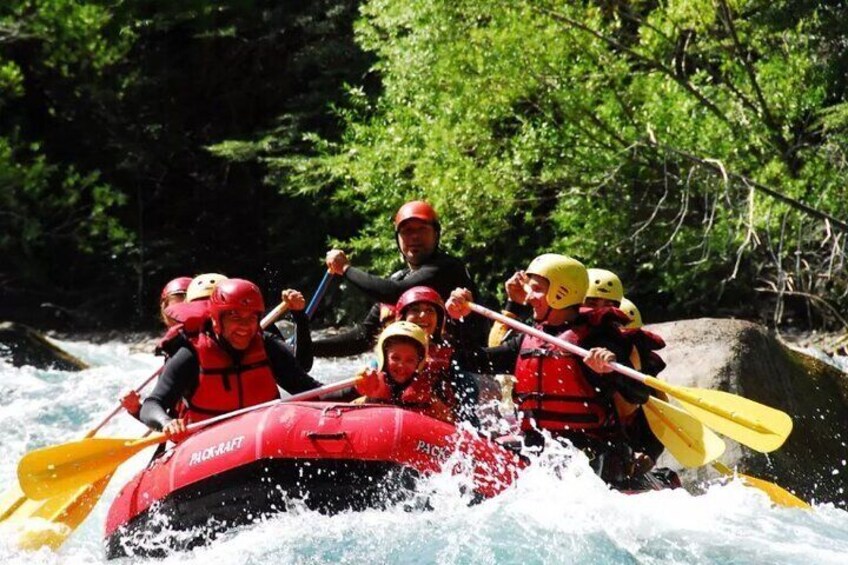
(168, 301)
(537, 296)
(402, 361)
(238, 328)
(424, 315)
(417, 241)
(595, 302)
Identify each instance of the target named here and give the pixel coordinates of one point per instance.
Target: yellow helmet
(402, 330)
(201, 286)
(604, 284)
(632, 312)
(567, 279)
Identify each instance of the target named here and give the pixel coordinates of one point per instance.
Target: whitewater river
(554, 514)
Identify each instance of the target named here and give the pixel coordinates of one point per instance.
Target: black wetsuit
(180, 378)
(302, 346)
(441, 272)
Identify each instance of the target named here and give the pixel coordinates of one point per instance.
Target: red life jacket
(551, 387)
(223, 384)
(420, 394)
(643, 356)
(190, 318)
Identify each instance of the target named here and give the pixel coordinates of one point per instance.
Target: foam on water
(557, 512)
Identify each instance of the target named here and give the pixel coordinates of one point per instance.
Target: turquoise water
(557, 512)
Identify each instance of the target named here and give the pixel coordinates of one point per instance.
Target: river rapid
(557, 512)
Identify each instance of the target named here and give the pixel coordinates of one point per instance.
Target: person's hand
(294, 299)
(176, 430)
(369, 381)
(131, 401)
(599, 360)
(515, 287)
(640, 464)
(458, 304)
(337, 262)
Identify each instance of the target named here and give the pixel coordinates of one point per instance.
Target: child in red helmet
(424, 307)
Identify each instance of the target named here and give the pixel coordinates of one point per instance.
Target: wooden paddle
(54, 471)
(756, 425)
(49, 522)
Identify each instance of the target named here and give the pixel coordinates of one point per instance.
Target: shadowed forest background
(697, 148)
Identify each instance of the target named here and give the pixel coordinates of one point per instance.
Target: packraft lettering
(434, 451)
(215, 450)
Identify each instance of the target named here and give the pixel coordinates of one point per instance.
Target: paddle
(14, 498)
(71, 508)
(777, 494)
(694, 445)
(319, 294)
(756, 425)
(52, 471)
(686, 438)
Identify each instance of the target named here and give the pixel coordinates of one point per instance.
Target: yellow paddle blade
(53, 471)
(685, 437)
(756, 425)
(777, 494)
(48, 523)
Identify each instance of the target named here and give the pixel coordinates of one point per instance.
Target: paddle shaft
(319, 294)
(619, 368)
(306, 395)
(120, 407)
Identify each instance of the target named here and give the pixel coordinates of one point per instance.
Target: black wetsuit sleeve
(303, 340)
(633, 391)
(178, 379)
(501, 359)
(289, 375)
(388, 290)
(358, 340)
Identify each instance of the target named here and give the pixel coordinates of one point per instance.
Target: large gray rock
(25, 346)
(743, 358)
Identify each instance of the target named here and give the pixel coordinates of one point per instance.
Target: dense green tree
(674, 142)
(114, 121)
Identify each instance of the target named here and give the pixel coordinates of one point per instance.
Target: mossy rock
(23, 345)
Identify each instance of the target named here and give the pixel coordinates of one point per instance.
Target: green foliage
(555, 126)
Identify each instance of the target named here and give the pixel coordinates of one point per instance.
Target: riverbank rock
(744, 358)
(23, 345)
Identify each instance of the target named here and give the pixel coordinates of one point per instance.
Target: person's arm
(632, 390)
(358, 340)
(290, 376)
(303, 340)
(389, 289)
(179, 376)
(502, 359)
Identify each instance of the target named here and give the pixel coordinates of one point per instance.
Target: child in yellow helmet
(398, 378)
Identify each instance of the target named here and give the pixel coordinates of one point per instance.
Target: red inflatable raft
(331, 456)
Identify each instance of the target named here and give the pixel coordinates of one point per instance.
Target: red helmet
(422, 294)
(416, 210)
(176, 286)
(235, 294)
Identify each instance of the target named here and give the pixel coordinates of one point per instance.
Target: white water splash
(557, 512)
